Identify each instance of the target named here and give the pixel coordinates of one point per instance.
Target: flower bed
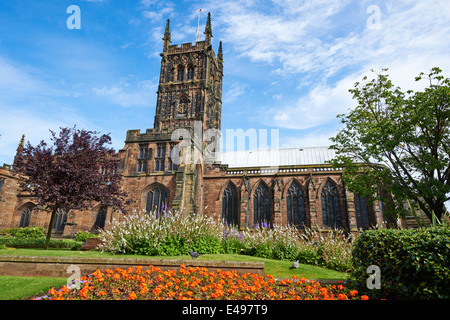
(195, 284)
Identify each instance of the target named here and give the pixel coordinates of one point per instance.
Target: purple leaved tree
(77, 171)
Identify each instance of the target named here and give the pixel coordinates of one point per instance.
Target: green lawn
(22, 287)
(18, 288)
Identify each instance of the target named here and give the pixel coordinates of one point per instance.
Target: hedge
(414, 263)
(14, 242)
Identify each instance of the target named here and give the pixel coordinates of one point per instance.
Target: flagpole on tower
(198, 26)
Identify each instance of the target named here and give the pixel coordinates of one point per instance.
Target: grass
(14, 288)
(19, 288)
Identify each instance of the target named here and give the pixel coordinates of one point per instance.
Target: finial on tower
(167, 36)
(19, 150)
(219, 53)
(208, 30)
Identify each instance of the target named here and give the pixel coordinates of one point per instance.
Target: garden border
(44, 266)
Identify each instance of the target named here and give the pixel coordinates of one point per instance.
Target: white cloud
(129, 94)
(310, 41)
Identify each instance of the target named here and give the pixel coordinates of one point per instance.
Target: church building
(177, 164)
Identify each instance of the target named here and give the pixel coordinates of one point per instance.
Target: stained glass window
(331, 210)
(230, 205)
(295, 206)
(261, 205)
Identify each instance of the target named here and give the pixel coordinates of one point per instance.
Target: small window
(25, 217)
(180, 73)
(100, 218)
(142, 166)
(143, 152)
(60, 221)
(190, 72)
(2, 181)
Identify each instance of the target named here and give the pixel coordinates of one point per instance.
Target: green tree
(395, 145)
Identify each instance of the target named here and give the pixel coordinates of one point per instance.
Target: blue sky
(288, 64)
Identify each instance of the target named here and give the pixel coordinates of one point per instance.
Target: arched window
(25, 217)
(230, 205)
(100, 218)
(190, 72)
(295, 206)
(261, 205)
(156, 200)
(331, 210)
(60, 221)
(361, 212)
(180, 73)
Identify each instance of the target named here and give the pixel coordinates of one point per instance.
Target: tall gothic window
(60, 221)
(160, 156)
(190, 72)
(156, 198)
(25, 217)
(261, 205)
(331, 210)
(100, 218)
(2, 181)
(361, 212)
(142, 159)
(295, 203)
(180, 73)
(230, 205)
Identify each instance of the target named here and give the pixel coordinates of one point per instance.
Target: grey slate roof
(276, 157)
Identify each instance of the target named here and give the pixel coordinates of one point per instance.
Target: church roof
(276, 157)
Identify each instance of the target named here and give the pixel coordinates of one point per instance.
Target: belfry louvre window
(156, 200)
(180, 73)
(331, 210)
(230, 205)
(261, 206)
(295, 204)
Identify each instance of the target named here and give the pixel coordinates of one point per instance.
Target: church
(177, 165)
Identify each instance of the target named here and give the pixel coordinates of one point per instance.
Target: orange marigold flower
(102, 293)
(132, 296)
(364, 297)
(342, 296)
(353, 293)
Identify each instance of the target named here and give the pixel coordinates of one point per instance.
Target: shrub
(84, 235)
(14, 242)
(26, 232)
(414, 263)
(165, 234)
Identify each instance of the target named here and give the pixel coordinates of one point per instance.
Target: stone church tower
(156, 172)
